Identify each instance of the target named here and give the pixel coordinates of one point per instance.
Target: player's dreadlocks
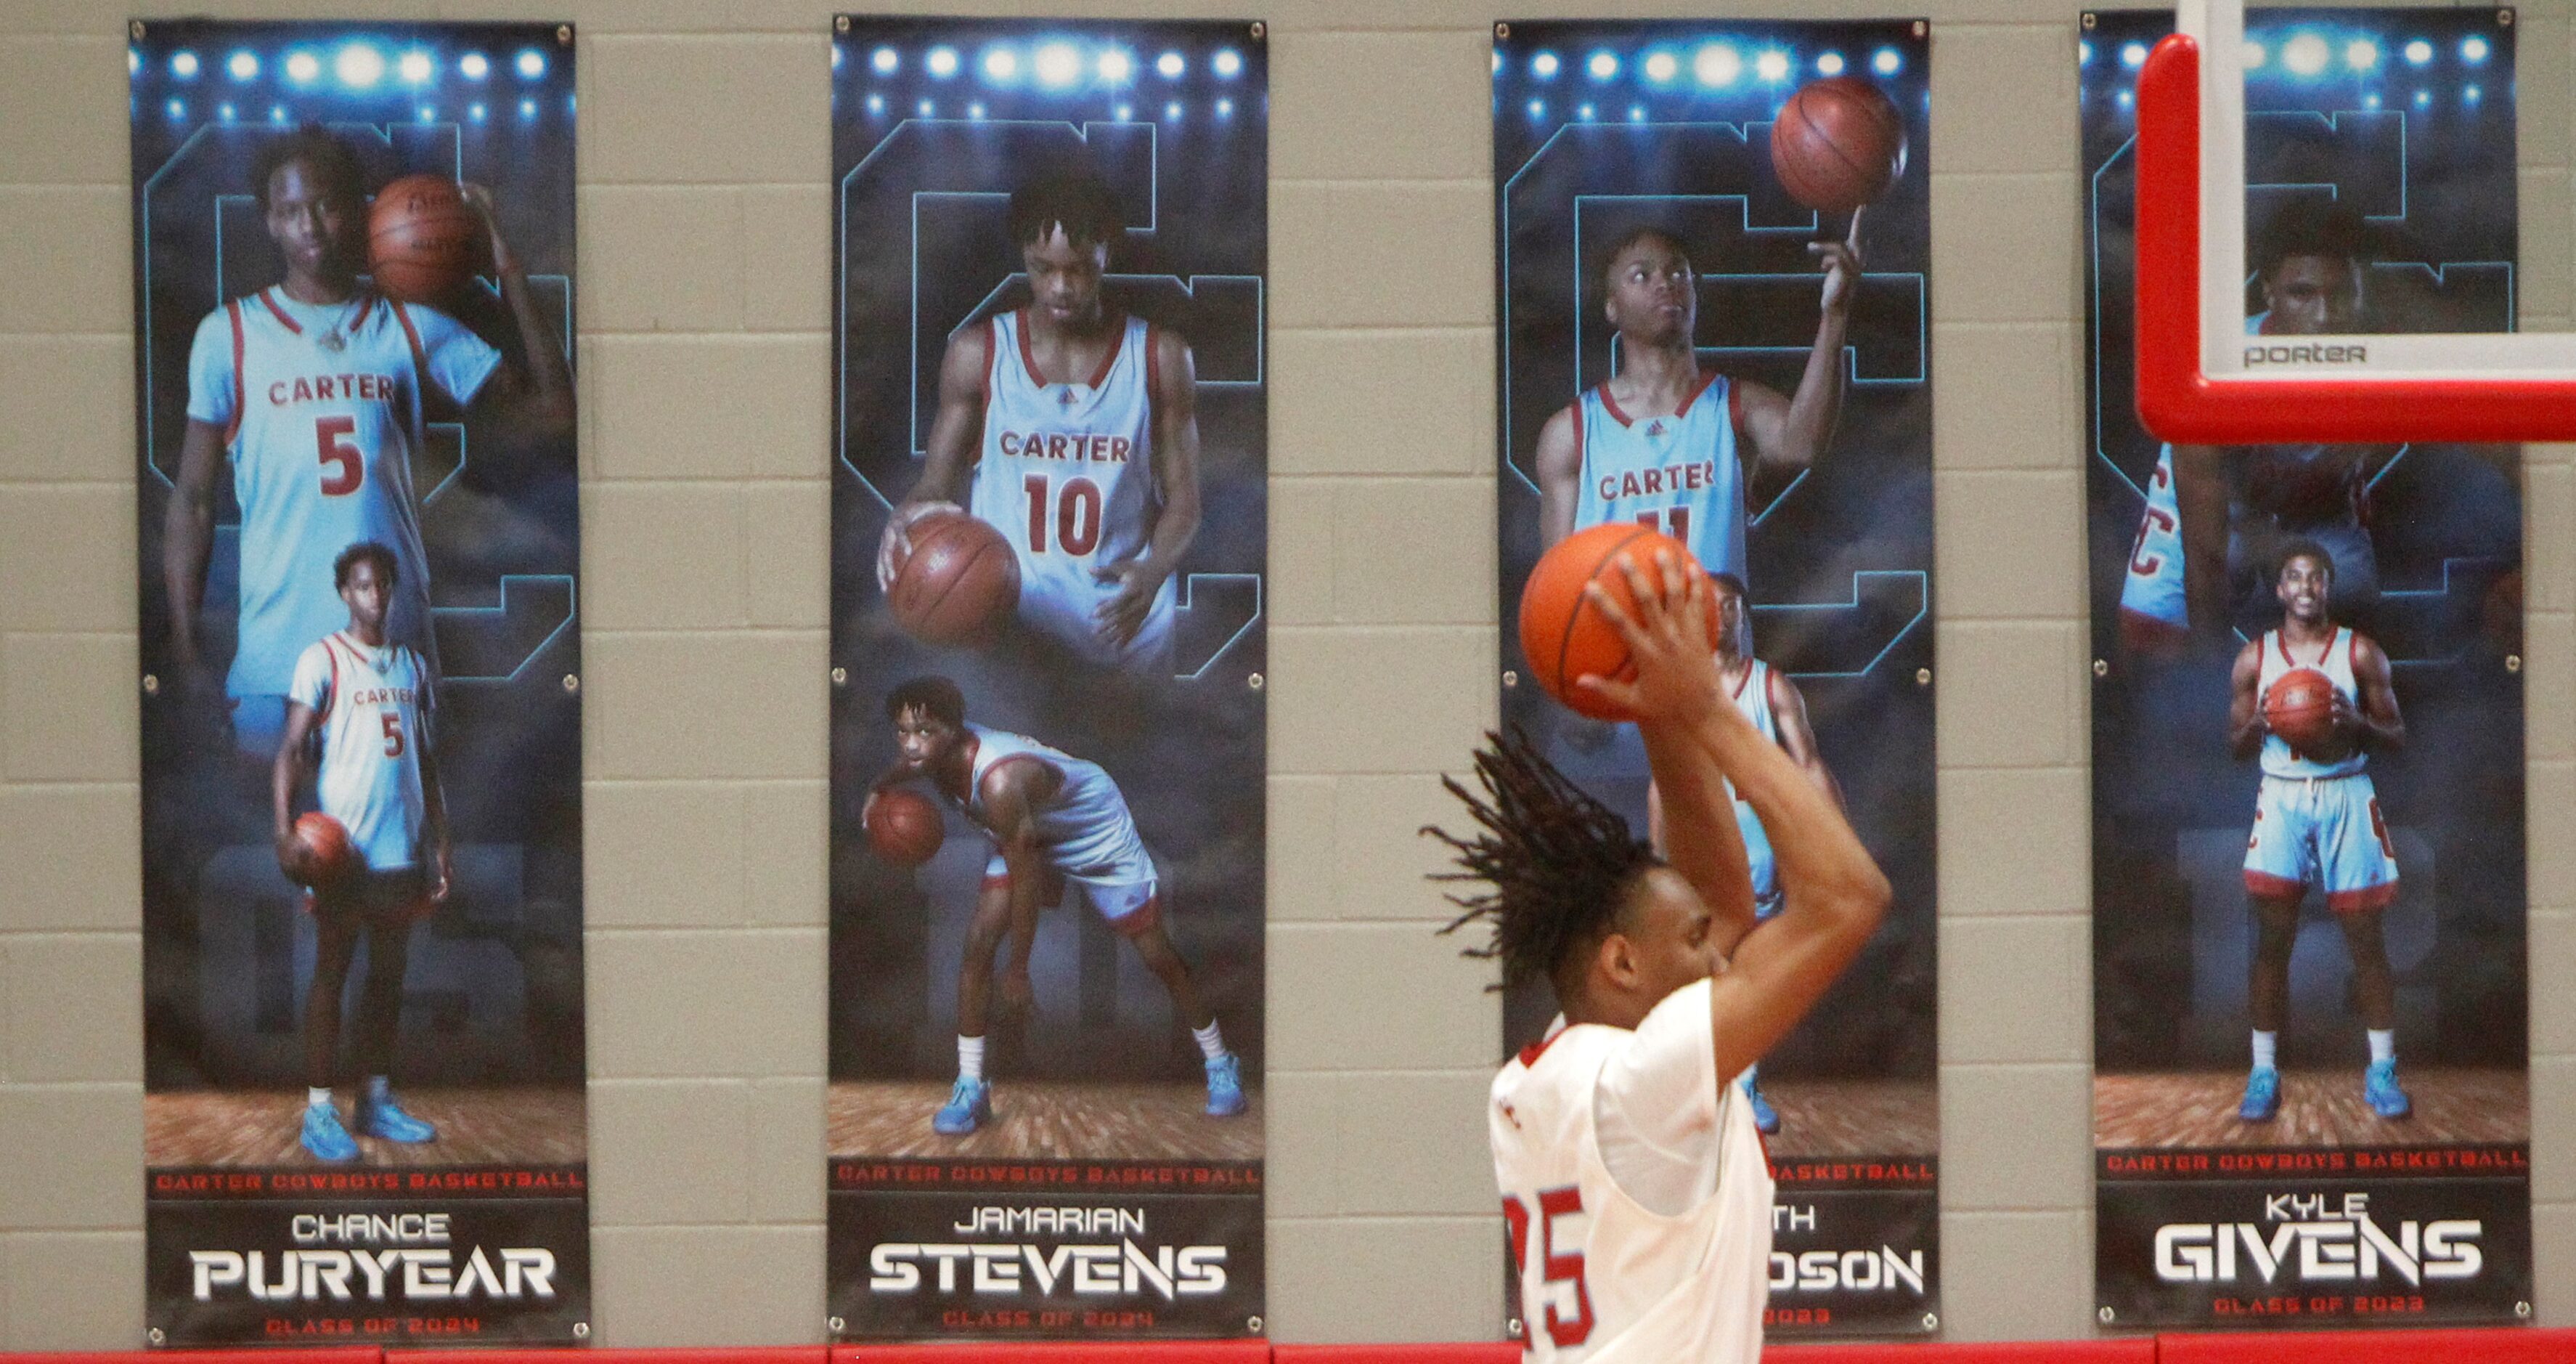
(1560, 862)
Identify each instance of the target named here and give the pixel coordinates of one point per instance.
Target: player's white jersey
(1602, 1279)
(321, 407)
(1084, 829)
(373, 709)
(1678, 474)
(2335, 661)
(1066, 473)
(2152, 601)
(1753, 700)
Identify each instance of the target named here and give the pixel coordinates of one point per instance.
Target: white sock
(318, 1096)
(970, 1058)
(379, 1088)
(2265, 1045)
(1211, 1041)
(2383, 1044)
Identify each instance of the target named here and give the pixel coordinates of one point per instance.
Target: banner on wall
(1049, 532)
(2310, 1097)
(363, 1103)
(1639, 156)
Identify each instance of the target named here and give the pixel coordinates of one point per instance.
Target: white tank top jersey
(374, 708)
(1604, 1280)
(1084, 828)
(2279, 759)
(1066, 473)
(321, 409)
(1679, 474)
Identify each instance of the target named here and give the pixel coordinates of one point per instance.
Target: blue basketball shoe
(2379, 1086)
(2262, 1095)
(1766, 1119)
(970, 1105)
(325, 1137)
(380, 1116)
(1225, 1086)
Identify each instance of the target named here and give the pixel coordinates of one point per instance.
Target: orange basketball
(904, 828)
(1838, 144)
(958, 585)
(1562, 635)
(323, 854)
(423, 239)
(2299, 706)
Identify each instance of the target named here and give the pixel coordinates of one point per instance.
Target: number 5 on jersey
(344, 465)
(1565, 1268)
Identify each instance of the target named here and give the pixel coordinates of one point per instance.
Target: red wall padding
(1023, 1352)
(2506, 1345)
(760, 1354)
(1495, 1352)
(349, 1354)
(2139, 1351)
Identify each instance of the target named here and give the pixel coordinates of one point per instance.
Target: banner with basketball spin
(1050, 250)
(2310, 1104)
(360, 691)
(1712, 244)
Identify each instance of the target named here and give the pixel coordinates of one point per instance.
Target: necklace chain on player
(331, 339)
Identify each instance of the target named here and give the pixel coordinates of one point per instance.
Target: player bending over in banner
(1635, 1190)
(1073, 430)
(1053, 818)
(1670, 446)
(2317, 822)
(369, 700)
(313, 390)
(1777, 711)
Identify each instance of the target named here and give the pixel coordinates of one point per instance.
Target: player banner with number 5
(362, 913)
(1713, 245)
(1050, 247)
(2310, 1103)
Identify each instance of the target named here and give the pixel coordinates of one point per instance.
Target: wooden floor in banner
(1040, 1120)
(2318, 1108)
(518, 1126)
(1826, 1119)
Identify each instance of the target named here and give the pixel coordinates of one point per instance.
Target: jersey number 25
(1565, 1268)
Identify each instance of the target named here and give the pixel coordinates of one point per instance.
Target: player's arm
(2200, 501)
(1695, 831)
(433, 795)
(540, 404)
(2245, 728)
(2376, 723)
(950, 460)
(188, 537)
(1559, 466)
(1833, 894)
(1176, 486)
(1787, 434)
(1798, 737)
(1010, 790)
(284, 775)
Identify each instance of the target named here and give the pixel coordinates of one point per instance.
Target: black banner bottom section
(1855, 1247)
(2285, 1237)
(1044, 1249)
(429, 1255)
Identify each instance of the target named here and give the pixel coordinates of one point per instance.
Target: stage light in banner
(975, 110)
(2127, 99)
(133, 61)
(428, 114)
(1058, 65)
(1172, 111)
(359, 66)
(1227, 64)
(2084, 52)
(1170, 65)
(942, 62)
(527, 108)
(532, 64)
(1716, 66)
(2133, 55)
(1537, 108)
(474, 112)
(224, 111)
(1602, 66)
(1636, 113)
(1584, 112)
(414, 68)
(474, 66)
(277, 113)
(836, 56)
(243, 65)
(2423, 99)
(2470, 94)
(926, 109)
(1225, 108)
(2305, 55)
(2254, 55)
(1661, 67)
(1831, 63)
(885, 61)
(183, 64)
(2361, 54)
(2418, 52)
(1001, 65)
(1498, 59)
(1544, 66)
(2473, 51)
(1116, 67)
(1125, 112)
(178, 109)
(1772, 67)
(303, 68)
(1887, 62)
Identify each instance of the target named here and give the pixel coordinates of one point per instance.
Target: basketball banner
(1712, 244)
(1050, 249)
(2310, 1096)
(361, 715)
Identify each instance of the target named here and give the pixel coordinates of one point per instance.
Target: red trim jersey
(2334, 659)
(1083, 830)
(373, 708)
(1679, 474)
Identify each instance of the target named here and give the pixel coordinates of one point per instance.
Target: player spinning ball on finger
(1636, 1192)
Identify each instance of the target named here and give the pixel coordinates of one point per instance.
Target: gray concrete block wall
(704, 249)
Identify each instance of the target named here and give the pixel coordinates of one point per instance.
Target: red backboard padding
(1026, 1352)
(2495, 1345)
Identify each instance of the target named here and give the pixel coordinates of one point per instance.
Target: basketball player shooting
(1668, 445)
(1071, 428)
(2317, 819)
(368, 698)
(313, 390)
(1777, 710)
(1636, 1192)
(1053, 819)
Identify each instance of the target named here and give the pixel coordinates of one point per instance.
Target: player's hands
(290, 857)
(1018, 996)
(442, 872)
(896, 545)
(1841, 262)
(479, 198)
(1119, 618)
(1676, 679)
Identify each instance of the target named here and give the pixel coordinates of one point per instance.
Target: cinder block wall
(704, 159)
